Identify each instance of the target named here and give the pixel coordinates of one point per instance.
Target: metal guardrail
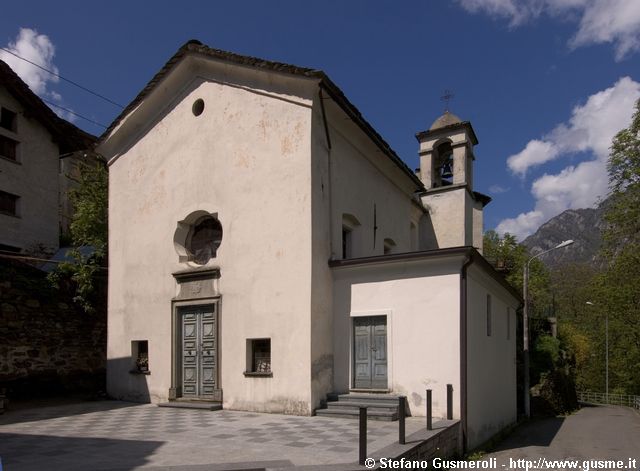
(612, 399)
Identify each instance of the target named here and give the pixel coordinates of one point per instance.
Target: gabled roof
(68, 137)
(195, 47)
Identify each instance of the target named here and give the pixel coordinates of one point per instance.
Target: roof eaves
(401, 257)
(68, 136)
(338, 95)
(465, 124)
(495, 274)
(469, 251)
(196, 47)
(484, 199)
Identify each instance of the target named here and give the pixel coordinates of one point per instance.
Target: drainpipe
(328, 137)
(463, 347)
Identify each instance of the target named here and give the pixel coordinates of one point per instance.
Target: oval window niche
(198, 237)
(198, 107)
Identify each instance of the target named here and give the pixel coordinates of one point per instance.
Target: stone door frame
(196, 287)
(388, 315)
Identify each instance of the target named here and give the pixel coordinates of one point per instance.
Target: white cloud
(515, 11)
(590, 130)
(38, 49)
(535, 153)
(600, 21)
(497, 189)
(611, 21)
(522, 225)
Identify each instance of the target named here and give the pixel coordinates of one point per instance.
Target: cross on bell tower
(447, 96)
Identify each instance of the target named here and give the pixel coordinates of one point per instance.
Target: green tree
(550, 373)
(509, 257)
(616, 292)
(623, 214)
(572, 287)
(88, 231)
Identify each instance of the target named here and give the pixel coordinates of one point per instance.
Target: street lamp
(525, 325)
(606, 351)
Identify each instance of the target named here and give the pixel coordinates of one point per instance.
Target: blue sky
(545, 83)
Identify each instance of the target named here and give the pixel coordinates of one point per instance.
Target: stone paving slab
(114, 435)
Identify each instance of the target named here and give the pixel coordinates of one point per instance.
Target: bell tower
(446, 170)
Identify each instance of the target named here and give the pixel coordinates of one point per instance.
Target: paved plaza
(113, 435)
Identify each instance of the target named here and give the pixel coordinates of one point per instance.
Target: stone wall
(47, 345)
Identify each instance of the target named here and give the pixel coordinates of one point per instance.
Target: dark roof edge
(339, 97)
(469, 251)
(465, 124)
(475, 195)
(404, 257)
(68, 136)
(490, 270)
(146, 89)
(484, 199)
(196, 47)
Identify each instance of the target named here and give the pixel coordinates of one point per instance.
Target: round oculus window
(205, 239)
(198, 107)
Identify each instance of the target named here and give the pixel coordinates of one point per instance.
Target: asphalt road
(592, 433)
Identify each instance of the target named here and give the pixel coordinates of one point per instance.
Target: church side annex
(267, 248)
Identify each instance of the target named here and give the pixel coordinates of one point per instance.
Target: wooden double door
(370, 352)
(199, 345)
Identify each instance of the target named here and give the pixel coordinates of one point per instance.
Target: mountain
(584, 226)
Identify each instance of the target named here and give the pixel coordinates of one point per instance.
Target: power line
(12, 256)
(73, 113)
(63, 78)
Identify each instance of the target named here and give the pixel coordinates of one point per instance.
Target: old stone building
(268, 249)
(36, 147)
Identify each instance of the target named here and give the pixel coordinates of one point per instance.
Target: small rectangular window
(388, 246)
(8, 120)
(8, 148)
(140, 356)
(9, 203)
(258, 356)
(488, 315)
(413, 234)
(346, 242)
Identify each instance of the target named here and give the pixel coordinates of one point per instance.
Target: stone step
(369, 398)
(379, 406)
(192, 405)
(354, 413)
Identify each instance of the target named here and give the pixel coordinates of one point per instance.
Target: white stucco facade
(220, 162)
(323, 229)
(491, 357)
(415, 297)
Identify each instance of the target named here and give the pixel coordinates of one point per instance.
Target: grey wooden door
(199, 351)
(370, 352)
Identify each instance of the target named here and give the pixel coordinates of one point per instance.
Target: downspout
(328, 137)
(463, 348)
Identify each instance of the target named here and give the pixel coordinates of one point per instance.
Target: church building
(269, 250)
